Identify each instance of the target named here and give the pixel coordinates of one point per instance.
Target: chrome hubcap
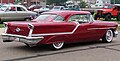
(58, 45)
(109, 35)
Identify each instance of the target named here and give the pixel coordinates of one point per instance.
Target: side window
(84, 18)
(59, 18)
(11, 9)
(20, 9)
(81, 18)
(74, 18)
(91, 18)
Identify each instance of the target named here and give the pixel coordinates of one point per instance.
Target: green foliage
(57, 2)
(83, 4)
(1, 26)
(115, 1)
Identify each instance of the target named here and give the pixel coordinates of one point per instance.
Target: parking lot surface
(90, 51)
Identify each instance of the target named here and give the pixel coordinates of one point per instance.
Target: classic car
(32, 7)
(41, 10)
(57, 8)
(56, 28)
(15, 12)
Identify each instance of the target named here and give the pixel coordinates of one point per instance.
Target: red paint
(84, 32)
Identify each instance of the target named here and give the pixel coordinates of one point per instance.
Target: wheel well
(113, 31)
(108, 13)
(53, 39)
(118, 13)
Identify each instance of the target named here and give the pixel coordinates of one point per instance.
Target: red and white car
(59, 27)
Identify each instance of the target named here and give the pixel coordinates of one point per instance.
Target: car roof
(117, 4)
(66, 13)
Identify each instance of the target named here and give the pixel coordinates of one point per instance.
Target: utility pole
(36, 2)
(114, 1)
(45, 3)
(1, 1)
(8, 1)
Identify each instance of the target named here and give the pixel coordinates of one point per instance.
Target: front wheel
(96, 17)
(57, 45)
(108, 37)
(108, 17)
(118, 17)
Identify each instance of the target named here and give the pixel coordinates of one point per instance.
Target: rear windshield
(107, 6)
(44, 17)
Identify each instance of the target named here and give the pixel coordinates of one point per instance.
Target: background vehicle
(15, 12)
(43, 9)
(73, 7)
(32, 7)
(109, 11)
(58, 27)
(56, 8)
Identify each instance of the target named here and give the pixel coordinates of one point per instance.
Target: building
(34, 2)
(97, 3)
(100, 3)
(6, 1)
(115, 1)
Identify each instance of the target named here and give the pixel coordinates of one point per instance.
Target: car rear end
(20, 32)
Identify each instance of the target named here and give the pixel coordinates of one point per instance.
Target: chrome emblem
(17, 29)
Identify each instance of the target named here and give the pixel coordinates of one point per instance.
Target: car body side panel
(54, 28)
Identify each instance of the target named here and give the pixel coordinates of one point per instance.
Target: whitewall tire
(57, 45)
(108, 37)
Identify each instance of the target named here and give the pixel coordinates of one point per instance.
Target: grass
(1, 26)
(113, 19)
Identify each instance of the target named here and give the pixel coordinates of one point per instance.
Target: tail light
(6, 27)
(30, 26)
(5, 24)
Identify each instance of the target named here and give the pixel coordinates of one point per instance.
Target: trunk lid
(18, 28)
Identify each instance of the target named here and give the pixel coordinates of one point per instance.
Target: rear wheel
(108, 37)
(1, 21)
(57, 45)
(96, 16)
(108, 17)
(118, 17)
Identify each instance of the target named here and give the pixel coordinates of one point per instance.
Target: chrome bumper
(19, 38)
(115, 33)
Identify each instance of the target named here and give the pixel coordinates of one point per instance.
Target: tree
(57, 2)
(83, 4)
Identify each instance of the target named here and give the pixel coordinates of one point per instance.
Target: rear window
(107, 6)
(44, 17)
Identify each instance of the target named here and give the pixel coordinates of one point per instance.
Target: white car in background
(15, 12)
(43, 9)
(56, 8)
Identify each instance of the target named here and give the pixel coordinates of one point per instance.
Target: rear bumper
(19, 38)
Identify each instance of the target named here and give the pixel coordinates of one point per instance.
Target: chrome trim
(6, 27)
(31, 30)
(100, 28)
(19, 36)
(32, 41)
(58, 33)
(116, 33)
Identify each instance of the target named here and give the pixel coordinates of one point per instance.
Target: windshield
(107, 6)
(45, 17)
(3, 8)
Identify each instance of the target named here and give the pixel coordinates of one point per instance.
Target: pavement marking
(69, 51)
